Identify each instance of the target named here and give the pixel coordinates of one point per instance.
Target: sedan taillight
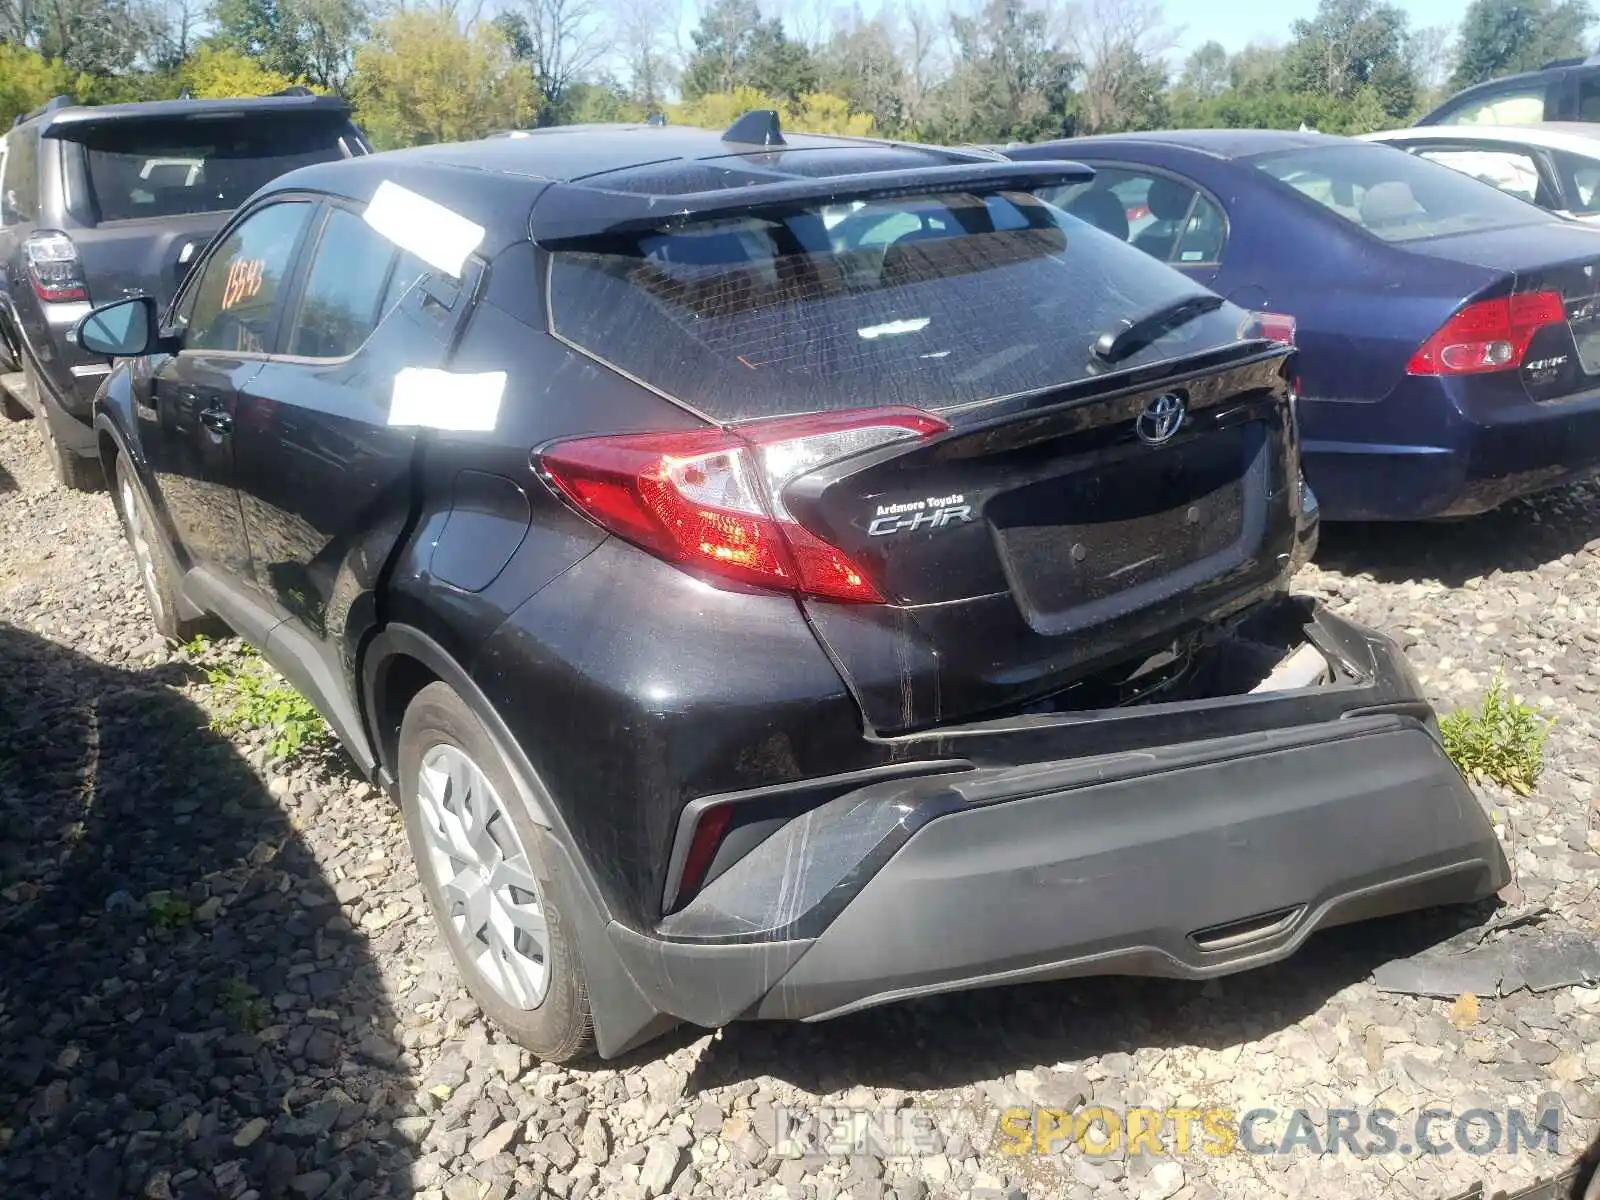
(712, 499)
(1488, 335)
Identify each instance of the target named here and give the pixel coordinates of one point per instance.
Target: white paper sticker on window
(437, 235)
(434, 399)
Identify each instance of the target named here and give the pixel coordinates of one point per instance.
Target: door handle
(217, 421)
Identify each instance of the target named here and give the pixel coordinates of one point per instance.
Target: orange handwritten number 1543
(244, 281)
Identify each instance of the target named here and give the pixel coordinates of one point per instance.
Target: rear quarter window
(1394, 195)
(172, 169)
(933, 302)
(19, 189)
(1520, 107)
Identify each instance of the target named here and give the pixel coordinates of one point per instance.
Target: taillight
(1277, 327)
(703, 845)
(712, 499)
(54, 269)
(1488, 335)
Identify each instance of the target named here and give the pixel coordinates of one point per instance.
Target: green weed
(168, 911)
(258, 698)
(244, 1006)
(1502, 741)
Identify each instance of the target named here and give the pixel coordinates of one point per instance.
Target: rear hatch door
(1076, 509)
(151, 190)
(1029, 547)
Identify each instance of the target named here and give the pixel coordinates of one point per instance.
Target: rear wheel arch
(399, 662)
(110, 451)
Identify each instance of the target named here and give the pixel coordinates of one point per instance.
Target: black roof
(568, 153)
(1549, 70)
(620, 177)
(1219, 143)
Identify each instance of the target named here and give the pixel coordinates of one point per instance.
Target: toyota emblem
(1161, 419)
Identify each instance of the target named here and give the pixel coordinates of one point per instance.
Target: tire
(157, 571)
(72, 471)
(537, 993)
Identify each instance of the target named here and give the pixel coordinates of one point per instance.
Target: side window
(407, 273)
(233, 304)
(1589, 96)
(19, 187)
(1512, 170)
(345, 289)
(1580, 178)
(1165, 217)
(1521, 107)
(1203, 235)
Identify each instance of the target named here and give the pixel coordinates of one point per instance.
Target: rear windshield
(1397, 196)
(198, 167)
(931, 301)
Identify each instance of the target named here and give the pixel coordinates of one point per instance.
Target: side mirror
(125, 329)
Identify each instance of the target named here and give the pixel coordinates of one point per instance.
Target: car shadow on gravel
(1523, 535)
(968, 1037)
(183, 1010)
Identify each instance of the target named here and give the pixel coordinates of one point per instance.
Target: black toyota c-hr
(777, 576)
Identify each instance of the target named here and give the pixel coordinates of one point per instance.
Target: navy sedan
(1449, 333)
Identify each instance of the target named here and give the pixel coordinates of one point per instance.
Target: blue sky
(1236, 23)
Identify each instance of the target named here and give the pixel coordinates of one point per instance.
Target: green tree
(1502, 37)
(643, 43)
(560, 42)
(859, 64)
(1121, 44)
(27, 80)
(423, 79)
(1012, 79)
(91, 37)
(1205, 72)
(218, 72)
(605, 101)
(816, 112)
(735, 46)
(1257, 69)
(1352, 44)
(313, 40)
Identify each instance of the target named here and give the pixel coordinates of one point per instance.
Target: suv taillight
(54, 269)
(1488, 335)
(712, 499)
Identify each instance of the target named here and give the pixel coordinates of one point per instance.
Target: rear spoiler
(569, 214)
(70, 120)
(49, 105)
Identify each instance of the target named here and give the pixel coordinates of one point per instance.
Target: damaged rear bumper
(1187, 861)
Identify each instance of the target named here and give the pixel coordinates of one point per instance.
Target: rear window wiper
(1117, 344)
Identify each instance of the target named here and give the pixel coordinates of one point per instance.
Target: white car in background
(1553, 164)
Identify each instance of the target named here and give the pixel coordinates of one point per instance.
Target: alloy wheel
(491, 897)
(138, 537)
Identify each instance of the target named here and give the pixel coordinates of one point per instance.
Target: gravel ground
(217, 977)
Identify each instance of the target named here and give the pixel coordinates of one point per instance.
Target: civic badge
(1161, 419)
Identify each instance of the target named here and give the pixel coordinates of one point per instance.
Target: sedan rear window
(1394, 195)
(933, 302)
(167, 170)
